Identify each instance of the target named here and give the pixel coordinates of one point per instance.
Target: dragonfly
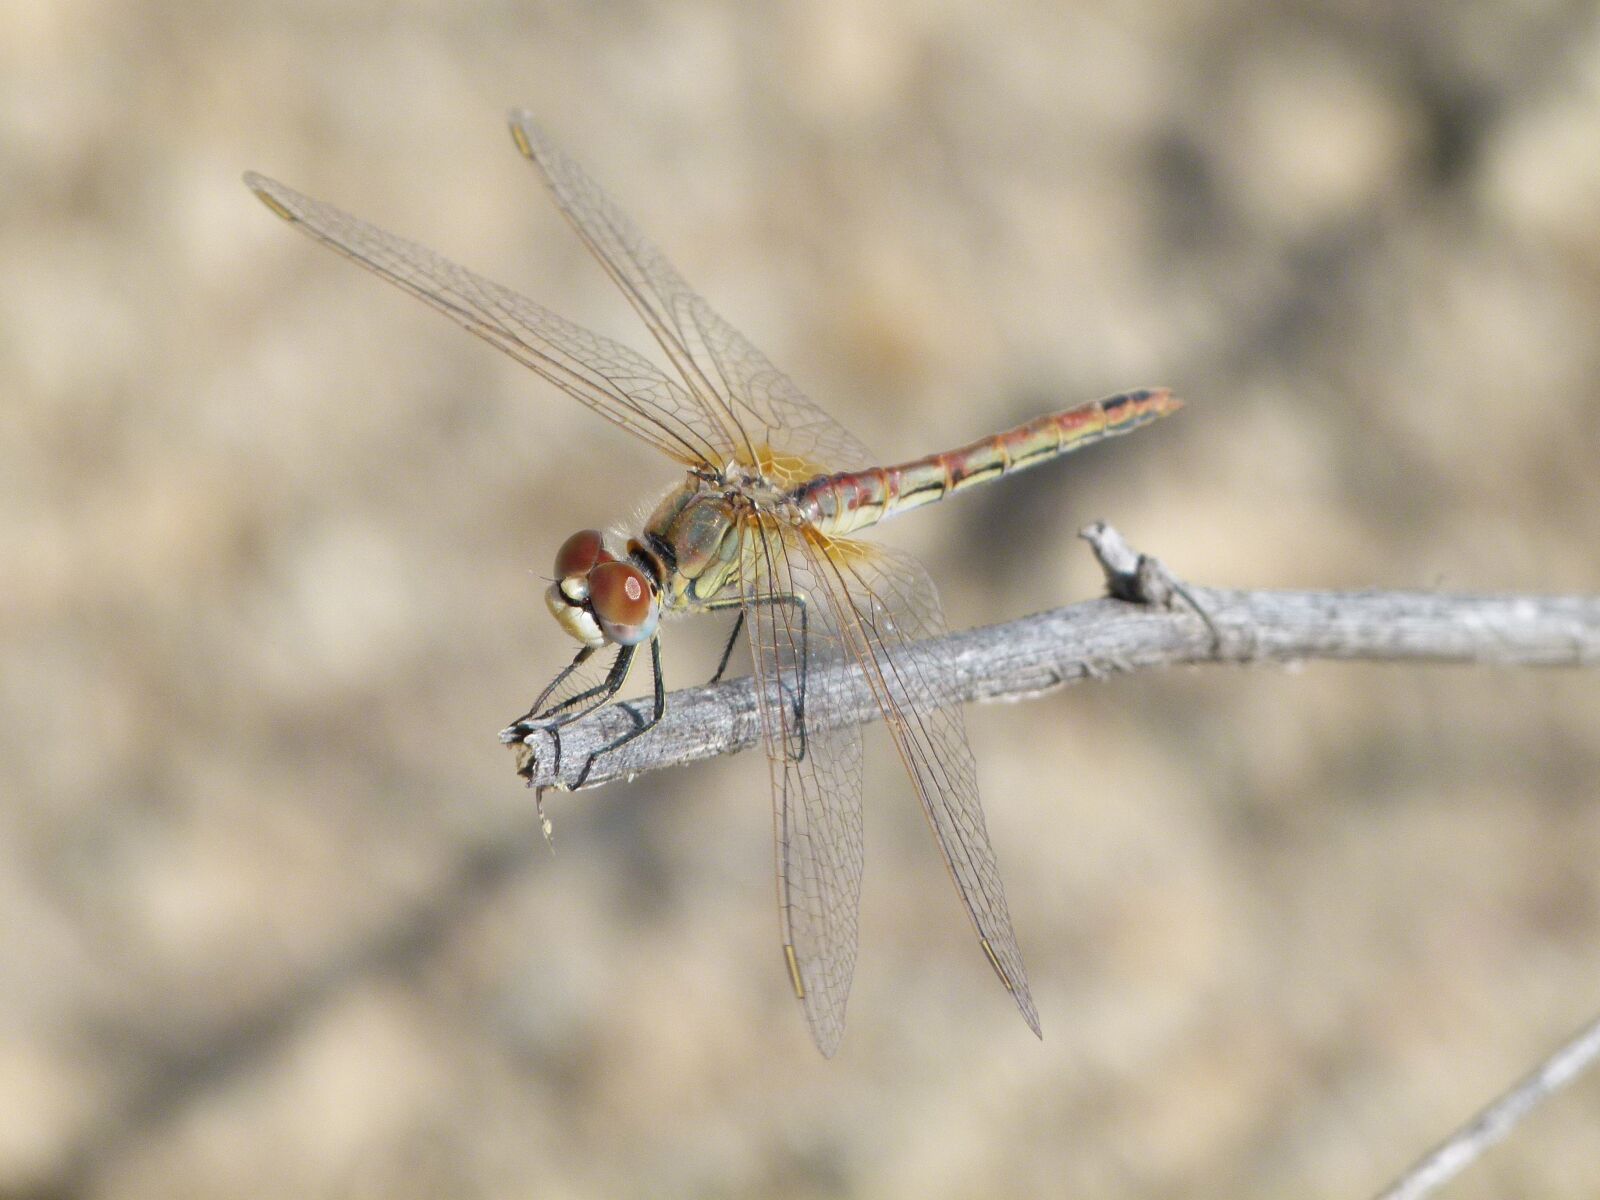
(765, 524)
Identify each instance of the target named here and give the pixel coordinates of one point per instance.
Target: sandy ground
(275, 917)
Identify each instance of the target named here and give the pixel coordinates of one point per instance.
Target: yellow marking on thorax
(521, 139)
(794, 971)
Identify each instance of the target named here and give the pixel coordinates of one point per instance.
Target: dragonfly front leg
(533, 714)
(575, 708)
(640, 724)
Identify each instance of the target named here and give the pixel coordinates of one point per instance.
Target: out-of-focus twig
(1494, 1122)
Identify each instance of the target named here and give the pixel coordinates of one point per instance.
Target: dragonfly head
(599, 598)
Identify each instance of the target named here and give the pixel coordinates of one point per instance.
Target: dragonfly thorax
(694, 534)
(600, 599)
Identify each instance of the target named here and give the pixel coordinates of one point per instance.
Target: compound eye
(621, 598)
(579, 554)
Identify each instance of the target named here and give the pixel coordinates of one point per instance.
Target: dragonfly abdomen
(853, 500)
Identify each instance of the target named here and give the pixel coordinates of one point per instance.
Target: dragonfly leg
(575, 708)
(805, 666)
(727, 651)
(562, 712)
(640, 724)
(774, 599)
(533, 713)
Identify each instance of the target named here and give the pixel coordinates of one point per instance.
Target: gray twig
(1494, 1122)
(1140, 628)
(1038, 654)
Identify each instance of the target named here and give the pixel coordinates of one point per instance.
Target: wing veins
(670, 340)
(929, 758)
(817, 802)
(923, 764)
(705, 349)
(870, 661)
(581, 201)
(584, 364)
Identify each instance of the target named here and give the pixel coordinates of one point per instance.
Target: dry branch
(1037, 654)
(1150, 621)
(1494, 1122)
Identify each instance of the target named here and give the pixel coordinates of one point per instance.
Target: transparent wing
(816, 776)
(616, 382)
(884, 602)
(767, 421)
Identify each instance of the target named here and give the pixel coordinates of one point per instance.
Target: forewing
(816, 776)
(884, 602)
(616, 382)
(768, 422)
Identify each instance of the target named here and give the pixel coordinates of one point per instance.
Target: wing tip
(1018, 987)
(1025, 1006)
(519, 133)
(826, 1024)
(527, 134)
(827, 1043)
(1030, 1015)
(827, 1028)
(270, 193)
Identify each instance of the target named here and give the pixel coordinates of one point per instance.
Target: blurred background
(275, 914)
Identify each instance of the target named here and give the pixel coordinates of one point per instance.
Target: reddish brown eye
(619, 593)
(623, 604)
(579, 553)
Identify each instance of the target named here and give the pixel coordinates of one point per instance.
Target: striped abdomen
(850, 501)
